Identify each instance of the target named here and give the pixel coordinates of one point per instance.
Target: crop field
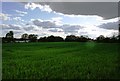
(60, 60)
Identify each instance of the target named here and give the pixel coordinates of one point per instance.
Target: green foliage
(60, 60)
(33, 37)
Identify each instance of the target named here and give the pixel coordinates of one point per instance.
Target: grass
(60, 60)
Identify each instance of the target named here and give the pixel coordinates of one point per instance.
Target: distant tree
(114, 39)
(42, 39)
(24, 36)
(10, 34)
(50, 38)
(83, 39)
(107, 39)
(33, 37)
(100, 38)
(71, 38)
(54, 39)
(9, 37)
(59, 39)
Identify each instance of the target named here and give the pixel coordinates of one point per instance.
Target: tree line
(70, 38)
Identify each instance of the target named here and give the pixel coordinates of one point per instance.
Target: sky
(90, 19)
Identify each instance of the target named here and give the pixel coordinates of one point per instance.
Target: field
(60, 60)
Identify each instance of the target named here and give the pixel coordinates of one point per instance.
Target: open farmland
(60, 60)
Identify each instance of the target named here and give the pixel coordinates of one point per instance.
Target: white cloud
(55, 29)
(94, 32)
(4, 16)
(80, 16)
(33, 6)
(18, 19)
(21, 13)
(10, 27)
(57, 20)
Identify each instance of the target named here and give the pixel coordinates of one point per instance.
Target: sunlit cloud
(33, 6)
(4, 16)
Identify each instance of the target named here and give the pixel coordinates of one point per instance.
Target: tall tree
(33, 37)
(9, 36)
(25, 36)
(100, 38)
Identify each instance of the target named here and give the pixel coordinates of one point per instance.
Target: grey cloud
(71, 28)
(28, 28)
(51, 26)
(13, 27)
(60, 1)
(55, 30)
(107, 10)
(44, 24)
(110, 25)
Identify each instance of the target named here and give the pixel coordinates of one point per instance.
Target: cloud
(55, 29)
(107, 10)
(72, 29)
(80, 16)
(33, 6)
(52, 23)
(49, 27)
(44, 23)
(31, 28)
(94, 32)
(57, 20)
(10, 27)
(18, 19)
(60, 1)
(110, 26)
(21, 13)
(4, 16)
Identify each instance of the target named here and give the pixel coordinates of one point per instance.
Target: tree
(54, 39)
(71, 38)
(9, 36)
(25, 36)
(33, 37)
(42, 39)
(100, 38)
(83, 39)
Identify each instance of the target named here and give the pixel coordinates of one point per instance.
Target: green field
(60, 60)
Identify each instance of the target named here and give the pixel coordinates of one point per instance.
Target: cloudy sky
(60, 18)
